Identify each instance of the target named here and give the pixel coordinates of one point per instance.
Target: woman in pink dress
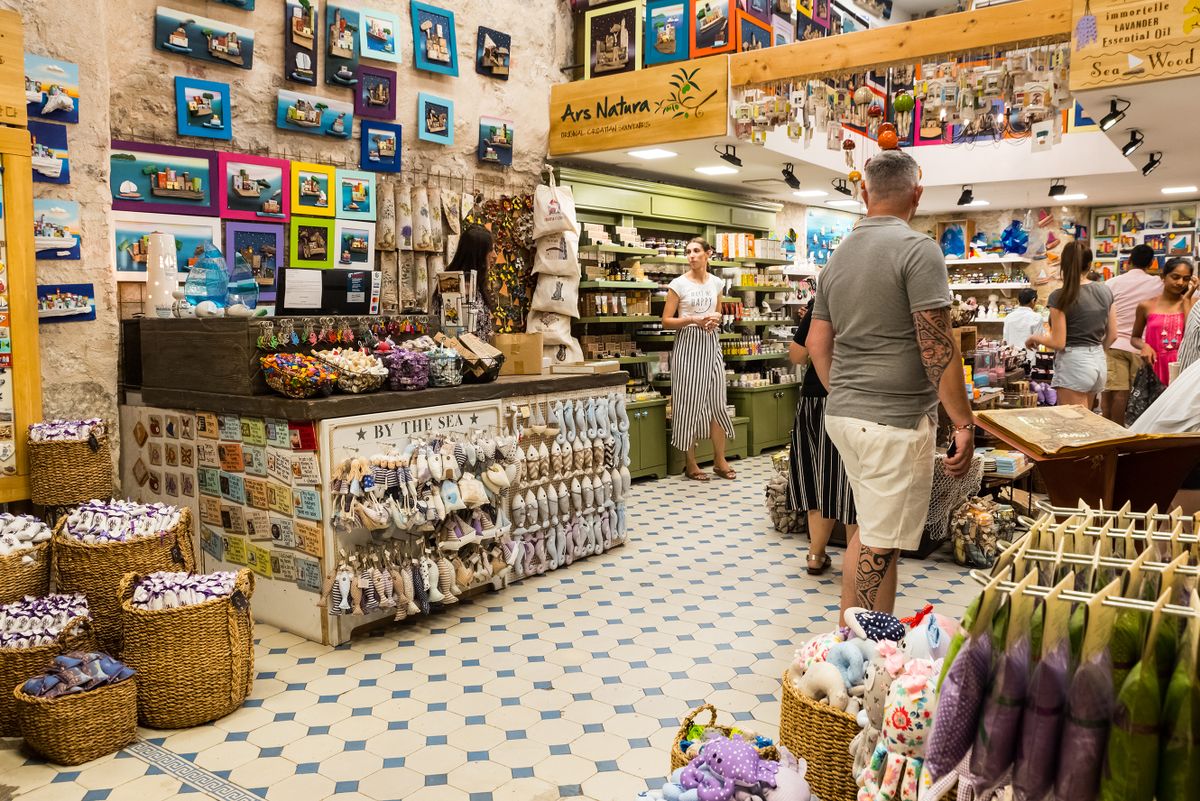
(1158, 327)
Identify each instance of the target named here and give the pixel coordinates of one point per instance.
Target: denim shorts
(1081, 368)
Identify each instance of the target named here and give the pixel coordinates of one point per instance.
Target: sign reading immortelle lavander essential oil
(1120, 42)
(671, 103)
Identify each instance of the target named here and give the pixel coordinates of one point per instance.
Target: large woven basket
(195, 664)
(68, 473)
(73, 729)
(19, 665)
(97, 570)
(821, 735)
(679, 759)
(19, 578)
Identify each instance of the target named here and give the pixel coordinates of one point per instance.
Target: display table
(256, 469)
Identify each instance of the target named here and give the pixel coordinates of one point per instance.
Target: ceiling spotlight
(729, 155)
(840, 185)
(967, 196)
(1152, 163)
(1058, 187)
(789, 176)
(1114, 114)
(1135, 141)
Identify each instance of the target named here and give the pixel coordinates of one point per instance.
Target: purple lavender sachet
(1090, 701)
(959, 703)
(996, 740)
(1041, 726)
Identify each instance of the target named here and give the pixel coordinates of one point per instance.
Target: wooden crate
(966, 337)
(217, 356)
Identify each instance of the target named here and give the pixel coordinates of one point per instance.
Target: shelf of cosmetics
(773, 376)
(734, 248)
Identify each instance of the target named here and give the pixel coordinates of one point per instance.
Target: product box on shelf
(522, 353)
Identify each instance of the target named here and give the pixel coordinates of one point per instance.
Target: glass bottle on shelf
(242, 296)
(207, 283)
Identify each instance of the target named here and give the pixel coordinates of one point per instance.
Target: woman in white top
(697, 370)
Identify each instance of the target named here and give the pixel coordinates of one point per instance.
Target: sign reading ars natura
(671, 103)
(1120, 42)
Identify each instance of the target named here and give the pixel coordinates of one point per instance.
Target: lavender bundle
(32, 622)
(21, 533)
(67, 430)
(119, 521)
(165, 590)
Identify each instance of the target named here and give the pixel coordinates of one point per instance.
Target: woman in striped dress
(697, 370)
(817, 483)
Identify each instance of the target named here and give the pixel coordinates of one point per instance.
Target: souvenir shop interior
(344, 402)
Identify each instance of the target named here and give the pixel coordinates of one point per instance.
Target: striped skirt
(697, 388)
(817, 479)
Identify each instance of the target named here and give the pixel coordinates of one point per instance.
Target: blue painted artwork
(378, 38)
(320, 116)
(244, 5)
(666, 32)
(131, 232)
(66, 303)
(51, 160)
(203, 38)
(341, 49)
(51, 89)
(55, 228)
(202, 108)
(435, 46)
(154, 181)
(380, 148)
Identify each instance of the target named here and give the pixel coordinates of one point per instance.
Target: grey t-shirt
(879, 276)
(1087, 319)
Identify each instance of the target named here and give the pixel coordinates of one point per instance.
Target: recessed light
(811, 193)
(1074, 196)
(843, 203)
(652, 153)
(717, 170)
(979, 202)
(1179, 190)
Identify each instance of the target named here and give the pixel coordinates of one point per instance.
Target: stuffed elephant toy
(876, 684)
(824, 682)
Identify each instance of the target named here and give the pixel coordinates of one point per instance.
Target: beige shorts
(1123, 366)
(891, 473)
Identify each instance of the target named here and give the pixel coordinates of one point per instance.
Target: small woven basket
(97, 570)
(68, 473)
(77, 728)
(17, 665)
(679, 759)
(19, 577)
(407, 369)
(821, 735)
(194, 664)
(353, 383)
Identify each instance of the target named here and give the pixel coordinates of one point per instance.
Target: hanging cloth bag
(553, 210)
(1146, 389)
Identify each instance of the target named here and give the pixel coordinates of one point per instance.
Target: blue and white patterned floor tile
(569, 685)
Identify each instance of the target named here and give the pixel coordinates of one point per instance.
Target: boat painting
(66, 303)
(311, 189)
(495, 141)
(253, 188)
(378, 37)
(56, 229)
(711, 31)
(202, 108)
(666, 31)
(203, 38)
(375, 95)
(342, 29)
(300, 37)
(51, 159)
(355, 195)
(159, 178)
(320, 116)
(355, 244)
(380, 147)
(131, 233)
(51, 89)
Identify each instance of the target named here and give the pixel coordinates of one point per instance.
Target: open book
(1049, 430)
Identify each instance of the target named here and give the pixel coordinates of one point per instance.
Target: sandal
(726, 473)
(698, 475)
(819, 570)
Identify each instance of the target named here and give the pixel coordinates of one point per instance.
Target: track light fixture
(967, 196)
(789, 176)
(1152, 163)
(730, 155)
(1058, 187)
(1114, 114)
(840, 185)
(1135, 141)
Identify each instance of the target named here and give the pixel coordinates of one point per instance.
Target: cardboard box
(522, 353)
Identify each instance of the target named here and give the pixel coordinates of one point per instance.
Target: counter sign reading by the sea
(1121, 42)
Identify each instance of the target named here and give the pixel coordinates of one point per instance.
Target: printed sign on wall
(1121, 42)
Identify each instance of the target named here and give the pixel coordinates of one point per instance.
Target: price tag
(258, 524)
(308, 574)
(283, 565)
(233, 487)
(210, 510)
(277, 433)
(307, 503)
(207, 426)
(310, 539)
(305, 469)
(279, 499)
(282, 532)
(258, 559)
(209, 479)
(206, 454)
(232, 519)
(279, 465)
(230, 456)
(254, 431)
(235, 549)
(255, 457)
(257, 494)
(231, 427)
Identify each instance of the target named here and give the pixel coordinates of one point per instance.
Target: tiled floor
(569, 685)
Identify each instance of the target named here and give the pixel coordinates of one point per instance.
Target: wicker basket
(69, 473)
(73, 729)
(19, 665)
(821, 735)
(679, 759)
(97, 570)
(19, 578)
(350, 382)
(195, 664)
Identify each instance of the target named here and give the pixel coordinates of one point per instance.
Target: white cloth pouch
(553, 210)
(557, 293)
(557, 254)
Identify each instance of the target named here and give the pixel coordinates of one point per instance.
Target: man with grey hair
(881, 342)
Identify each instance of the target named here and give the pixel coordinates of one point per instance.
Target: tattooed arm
(943, 366)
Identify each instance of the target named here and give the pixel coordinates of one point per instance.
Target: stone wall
(127, 91)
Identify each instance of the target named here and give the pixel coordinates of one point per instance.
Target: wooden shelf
(626, 250)
(618, 285)
(631, 318)
(751, 260)
(670, 338)
(982, 287)
(647, 359)
(768, 288)
(1006, 259)
(755, 323)
(683, 260)
(756, 357)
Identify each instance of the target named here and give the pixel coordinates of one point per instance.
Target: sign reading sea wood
(671, 103)
(1121, 42)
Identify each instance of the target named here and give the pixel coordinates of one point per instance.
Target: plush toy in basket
(81, 707)
(295, 375)
(688, 742)
(357, 372)
(731, 768)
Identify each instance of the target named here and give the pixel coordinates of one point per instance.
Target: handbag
(1146, 389)
(553, 210)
